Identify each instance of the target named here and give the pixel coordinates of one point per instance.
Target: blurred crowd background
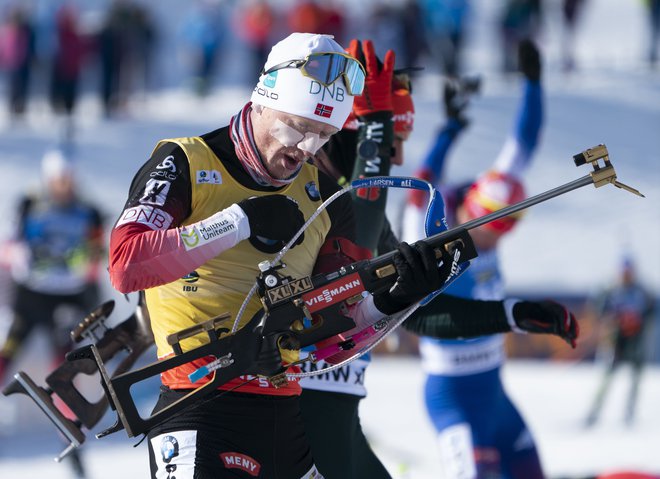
(53, 53)
(122, 49)
(67, 62)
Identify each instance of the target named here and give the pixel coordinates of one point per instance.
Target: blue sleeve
(530, 116)
(519, 148)
(435, 160)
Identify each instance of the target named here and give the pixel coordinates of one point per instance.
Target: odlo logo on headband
(236, 460)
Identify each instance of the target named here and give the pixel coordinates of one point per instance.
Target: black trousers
(340, 449)
(233, 435)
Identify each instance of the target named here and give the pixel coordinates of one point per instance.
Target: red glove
(377, 95)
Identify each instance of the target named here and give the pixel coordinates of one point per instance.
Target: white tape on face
(289, 136)
(285, 134)
(312, 143)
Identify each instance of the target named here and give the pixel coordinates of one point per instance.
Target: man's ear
(258, 109)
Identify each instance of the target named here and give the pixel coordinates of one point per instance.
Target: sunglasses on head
(327, 68)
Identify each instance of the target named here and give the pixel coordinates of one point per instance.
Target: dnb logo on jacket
(151, 216)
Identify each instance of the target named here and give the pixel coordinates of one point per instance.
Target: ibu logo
(271, 79)
(191, 277)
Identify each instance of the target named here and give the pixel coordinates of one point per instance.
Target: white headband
(289, 91)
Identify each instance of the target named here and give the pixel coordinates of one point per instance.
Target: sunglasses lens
(326, 68)
(354, 77)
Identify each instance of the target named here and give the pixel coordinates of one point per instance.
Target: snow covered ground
(571, 244)
(554, 398)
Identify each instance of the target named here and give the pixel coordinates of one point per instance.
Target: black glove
(456, 96)
(274, 217)
(529, 60)
(547, 317)
(418, 275)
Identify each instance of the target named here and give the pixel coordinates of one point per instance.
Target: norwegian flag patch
(323, 110)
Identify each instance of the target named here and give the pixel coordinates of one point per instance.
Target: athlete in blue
(330, 400)
(480, 432)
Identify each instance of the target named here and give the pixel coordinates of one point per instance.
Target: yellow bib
(222, 283)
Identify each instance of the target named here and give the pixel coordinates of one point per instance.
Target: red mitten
(377, 95)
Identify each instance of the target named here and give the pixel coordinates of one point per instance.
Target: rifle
(298, 312)
(131, 337)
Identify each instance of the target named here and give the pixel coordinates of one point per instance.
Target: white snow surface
(571, 244)
(554, 399)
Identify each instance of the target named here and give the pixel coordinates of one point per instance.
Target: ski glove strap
(543, 317)
(274, 217)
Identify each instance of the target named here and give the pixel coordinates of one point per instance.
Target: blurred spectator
(445, 26)
(414, 42)
(204, 34)
(255, 23)
(54, 261)
(400, 28)
(386, 28)
(110, 55)
(653, 8)
(519, 19)
(627, 309)
(316, 16)
(124, 46)
(68, 58)
(17, 54)
(334, 20)
(143, 37)
(570, 11)
(305, 16)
